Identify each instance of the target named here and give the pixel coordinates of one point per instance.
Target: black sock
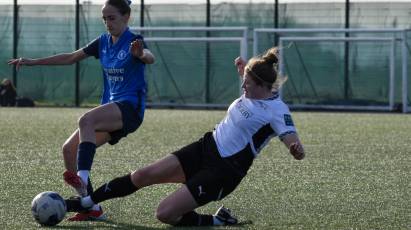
(89, 187)
(118, 187)
(85, 155)
(194, 219)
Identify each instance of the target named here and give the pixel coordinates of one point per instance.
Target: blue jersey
(123, 73)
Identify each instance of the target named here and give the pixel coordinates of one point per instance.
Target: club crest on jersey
(243, 110)
(287, 120)
(121, 55)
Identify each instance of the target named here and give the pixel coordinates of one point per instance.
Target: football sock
(84, 175)
(96, 207)
(87, 202)
(194, 219)
(89, 187)
(118, 187)
(85, 156)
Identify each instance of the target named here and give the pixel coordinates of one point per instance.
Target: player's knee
(85, 120)
(165, 215)
(141, 177)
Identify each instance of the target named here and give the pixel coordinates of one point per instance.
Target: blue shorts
(131, 117)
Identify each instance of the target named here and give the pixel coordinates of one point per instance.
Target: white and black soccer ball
(48, 208)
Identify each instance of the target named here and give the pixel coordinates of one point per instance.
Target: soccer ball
(48, 208)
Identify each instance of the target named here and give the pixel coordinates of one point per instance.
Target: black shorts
(209, 177)
(131, 117)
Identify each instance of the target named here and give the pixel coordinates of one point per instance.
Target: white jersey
(252, 122)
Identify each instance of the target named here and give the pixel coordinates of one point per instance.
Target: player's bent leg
(204, 186)
(70, 160)
(172, 209)
(118, 187)
(69, 150)
(104, 118)
(178, 210)
(165, 170)
(83, 185)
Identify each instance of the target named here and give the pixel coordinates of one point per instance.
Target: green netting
(179, 74)
(316, 75)
(91, 81)
(6, 40)
(41, 36)
(408, 67)
(181, 70)
(174, 15)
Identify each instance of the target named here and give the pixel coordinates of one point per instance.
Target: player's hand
(297, 150)
(20, 61)
(137, 48)
(240, 64)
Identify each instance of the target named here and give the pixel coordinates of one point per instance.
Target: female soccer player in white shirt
(212, 167)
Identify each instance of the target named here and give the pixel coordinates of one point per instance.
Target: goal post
(391, 41)
(396, 36)
(194, 65)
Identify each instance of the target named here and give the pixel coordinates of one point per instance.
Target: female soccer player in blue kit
(212, 167)
(123, 56)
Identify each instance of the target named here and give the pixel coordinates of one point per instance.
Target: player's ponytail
(271, 56)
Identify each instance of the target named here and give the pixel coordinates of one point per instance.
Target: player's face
(250, 88)
(114, 21)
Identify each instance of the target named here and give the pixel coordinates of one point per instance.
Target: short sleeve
(283, 124)
(92, 49)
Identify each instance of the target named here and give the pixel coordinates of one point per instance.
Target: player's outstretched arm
(58, 59)
(294, 145)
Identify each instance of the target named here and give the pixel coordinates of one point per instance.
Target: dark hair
(123, 6)
(8, 84)
(263, 69)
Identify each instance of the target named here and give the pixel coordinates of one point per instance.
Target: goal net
(326, 69)
(194, 65)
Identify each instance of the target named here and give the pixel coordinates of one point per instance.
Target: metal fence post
(77, 45)
(276, 21)
(15, 37)
(347, 52)
(207, 58)
(142, 13)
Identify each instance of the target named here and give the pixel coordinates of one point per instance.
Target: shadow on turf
(106, 224)
(242, 224)
(118, 225)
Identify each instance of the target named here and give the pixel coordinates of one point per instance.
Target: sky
(186, 1)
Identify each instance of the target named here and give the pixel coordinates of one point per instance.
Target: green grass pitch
(356, 174)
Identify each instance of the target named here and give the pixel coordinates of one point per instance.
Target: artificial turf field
(356, 174)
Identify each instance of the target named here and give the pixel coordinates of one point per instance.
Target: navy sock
(89, 187)
(194, 219)
(85, 155)
(118, 187)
